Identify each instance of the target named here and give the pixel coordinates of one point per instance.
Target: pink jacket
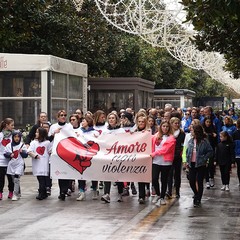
(167, 150)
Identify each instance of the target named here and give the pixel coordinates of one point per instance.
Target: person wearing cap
(126, 121)
(16, 151)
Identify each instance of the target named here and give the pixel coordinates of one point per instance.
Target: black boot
(62, 196)
(42, 194)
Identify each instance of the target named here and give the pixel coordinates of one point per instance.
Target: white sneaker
(223, 187)
(15, 197)
(94, 195)
(227, 188)
(155, 199)
(211, 180)
(160, 202)
(208, 185)
(106, 198)
(81, 196)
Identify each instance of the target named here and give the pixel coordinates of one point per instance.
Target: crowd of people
(196, 140)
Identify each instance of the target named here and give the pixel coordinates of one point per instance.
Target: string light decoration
(134, 16)
(78, 4)
(161, 24)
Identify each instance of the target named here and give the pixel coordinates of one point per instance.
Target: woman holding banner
(87, 133)
(113, 127)
(99, 122)
(141, 124)
(55, 129)
(163, 147)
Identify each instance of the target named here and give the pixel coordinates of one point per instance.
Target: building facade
(177, 97)
(120, 92)
(30, 84)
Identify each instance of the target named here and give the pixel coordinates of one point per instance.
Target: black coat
(225, 153)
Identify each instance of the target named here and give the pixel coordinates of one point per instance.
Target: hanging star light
(161, 24)
(78, 4)
(133, 16)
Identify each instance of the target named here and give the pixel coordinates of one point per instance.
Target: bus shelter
(30, 84)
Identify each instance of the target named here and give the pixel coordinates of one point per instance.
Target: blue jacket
(230, 129)
(236, 139)
(204, 152)
(187, 124)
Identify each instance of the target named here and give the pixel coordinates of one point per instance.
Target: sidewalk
(28, 165)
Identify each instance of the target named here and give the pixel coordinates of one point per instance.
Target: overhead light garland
(160, 23)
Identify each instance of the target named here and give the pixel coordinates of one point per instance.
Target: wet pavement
(28, 218)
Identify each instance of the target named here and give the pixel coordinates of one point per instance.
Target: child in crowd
(40, 150)
(6, 128)
(225, 157)
(16, 151)
(46, 125)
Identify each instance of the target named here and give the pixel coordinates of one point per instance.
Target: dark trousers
(107, 187)
(49, 180)
(142, 190)
(3, 173)
(175, 173)
(82, 185)
(164, 171)
(210, 169)
(237, 160)
(196, 177)
(42, 181)
(225, 173)
(63, 185)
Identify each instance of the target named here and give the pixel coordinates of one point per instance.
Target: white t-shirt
(158, 159)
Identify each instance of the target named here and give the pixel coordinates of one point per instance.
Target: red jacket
(167, 149)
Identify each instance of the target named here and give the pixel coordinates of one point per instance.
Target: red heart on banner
(5, 142)
(15, 154)
(40, 150)
(77, 154)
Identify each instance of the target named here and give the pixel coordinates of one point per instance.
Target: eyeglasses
(187, 114)
(71, 120)
(78, 113)
(63, 115)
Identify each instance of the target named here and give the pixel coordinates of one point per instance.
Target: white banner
(110, 157)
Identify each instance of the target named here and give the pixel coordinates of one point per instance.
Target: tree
(56, 28)
(217, 23)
